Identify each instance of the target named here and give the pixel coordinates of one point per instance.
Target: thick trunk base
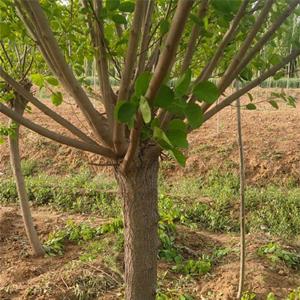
(139, 191)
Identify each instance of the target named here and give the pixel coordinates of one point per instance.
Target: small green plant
(248, 296)
(275, 253)
(29, 167)
(294, 295)
(193, 267)
(271, 296)
(78, 233)
(168, 250)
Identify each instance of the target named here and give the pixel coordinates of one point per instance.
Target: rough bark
(22, 193)
(139, 192)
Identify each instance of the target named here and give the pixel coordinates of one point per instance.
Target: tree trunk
(23, 197)
(139, 192)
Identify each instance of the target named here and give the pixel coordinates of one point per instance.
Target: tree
(20, 66)
(160, 97)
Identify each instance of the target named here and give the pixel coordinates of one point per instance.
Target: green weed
(276, 253)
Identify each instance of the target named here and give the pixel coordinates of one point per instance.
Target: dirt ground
(25, 277)
(272, 150)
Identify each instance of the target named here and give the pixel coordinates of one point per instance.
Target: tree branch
(56, 60)
(165, 62)
(272, 71)
(264, 39)
(145, 38)
(45, 109)
(191, 47)
(209, 68)
(98, 39)
(128, 72)
(55, 136)
(245, 45)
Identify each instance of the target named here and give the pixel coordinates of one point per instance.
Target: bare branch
(97, 36)
(272, 71)
(245, 45)
(55, 136)
(6, 55)
(191, 47)
(145, 38)
(209, 68)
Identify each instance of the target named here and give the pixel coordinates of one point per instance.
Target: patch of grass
(274, 209)
(78, 233)
(29, 167)
(213, 203)
(275, 253)
(80, 193)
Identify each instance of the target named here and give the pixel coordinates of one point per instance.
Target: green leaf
(196, 19)
(181, 159)
(164, 27)
(274, 104)
(38, 79)
(177, 124)
(4, 30)
(250, 96)
(119, 19)
(251, 106)
(246, 74)
(226, 8)
(206, 91)
(164, 97)
(127, 6)
(112, 4)
(182, 85)
(125, 112)
(194, 115)
(160, 136)
(279, 75)
(142, 83)
(178, 138)
(52, 80)
(178, 106)
(57, 98)
(291, 101)
(145, 109)
(275, 59)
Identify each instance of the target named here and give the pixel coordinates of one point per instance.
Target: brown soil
(25, 277)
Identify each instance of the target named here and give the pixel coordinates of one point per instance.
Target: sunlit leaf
(145, 109)
(57, 98)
